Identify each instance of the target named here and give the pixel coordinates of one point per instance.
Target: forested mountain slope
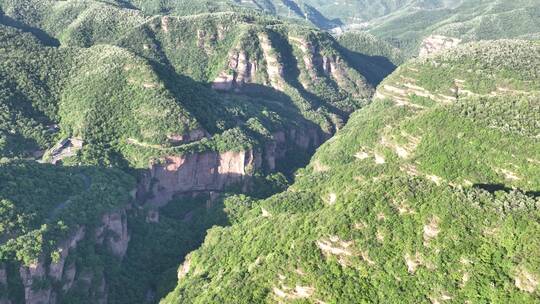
(188, 107)
(275, 76)
(469, 20)
(48, 212)
(404, 23)
(429, 194)
(129, 128)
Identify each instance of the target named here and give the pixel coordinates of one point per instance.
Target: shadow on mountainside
(374, 68)
(493, 188)
(156, 249)
(211, 108)
(163, 235)
(40, 34)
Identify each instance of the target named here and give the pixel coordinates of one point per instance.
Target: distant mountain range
(404, 23)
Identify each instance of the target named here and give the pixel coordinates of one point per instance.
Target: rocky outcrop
(311, 58)
(69, 277)
(240, 70)
(165, 24)
(3, 275)
(282, 141)
(274, 67)
(335, 67)
(3, 285)
(190, 136)
(209, 171)
(33, 274)
(213, 172)
(56, 269)
(436, 43)
(152, 216)
(331, 66)
(114, 232)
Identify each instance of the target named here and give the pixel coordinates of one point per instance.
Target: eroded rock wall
(111, 233)
(114, 232)
(213, 172)
(3, 285)
(31, 275)
(241, 71)
(201, 172)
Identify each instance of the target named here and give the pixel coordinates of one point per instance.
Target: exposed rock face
(114, 232)
(330, 66)
(152, 216)
(192, 135)
(3, 284)
(240, 71)
(213, 171)
(209, 171)
(3, 275)
(274, 67)
(303, 138)
(69, 277)
(29, 275)
(165, 24)
(436, 43)
(102, 294)
(56, 269)
(184, 269)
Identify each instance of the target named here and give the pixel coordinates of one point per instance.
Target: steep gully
(187, 175)
(174, 176)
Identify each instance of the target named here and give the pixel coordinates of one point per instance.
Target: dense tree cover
(41, 203)
(367, 53)
(159, 243)
(300, 11)
(469, 20)
(29, 82)
(148, 271)
(125, 84)
(417, 199)
(404, 23)
(150, 81)
(367, 44)
(428, 194)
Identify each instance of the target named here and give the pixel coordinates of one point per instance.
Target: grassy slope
(411, 229)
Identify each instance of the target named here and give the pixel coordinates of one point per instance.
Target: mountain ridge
(139, 135)
(404, 195)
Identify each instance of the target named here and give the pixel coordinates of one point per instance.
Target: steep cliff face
(56, 269)
(190, 136)
(34, 274)
(3, 285)
(112, 233)
(38, 271)
(209, 171)
(3, 275)
(241, 70)
(282, 141)
(322, 62)
(214, 171)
